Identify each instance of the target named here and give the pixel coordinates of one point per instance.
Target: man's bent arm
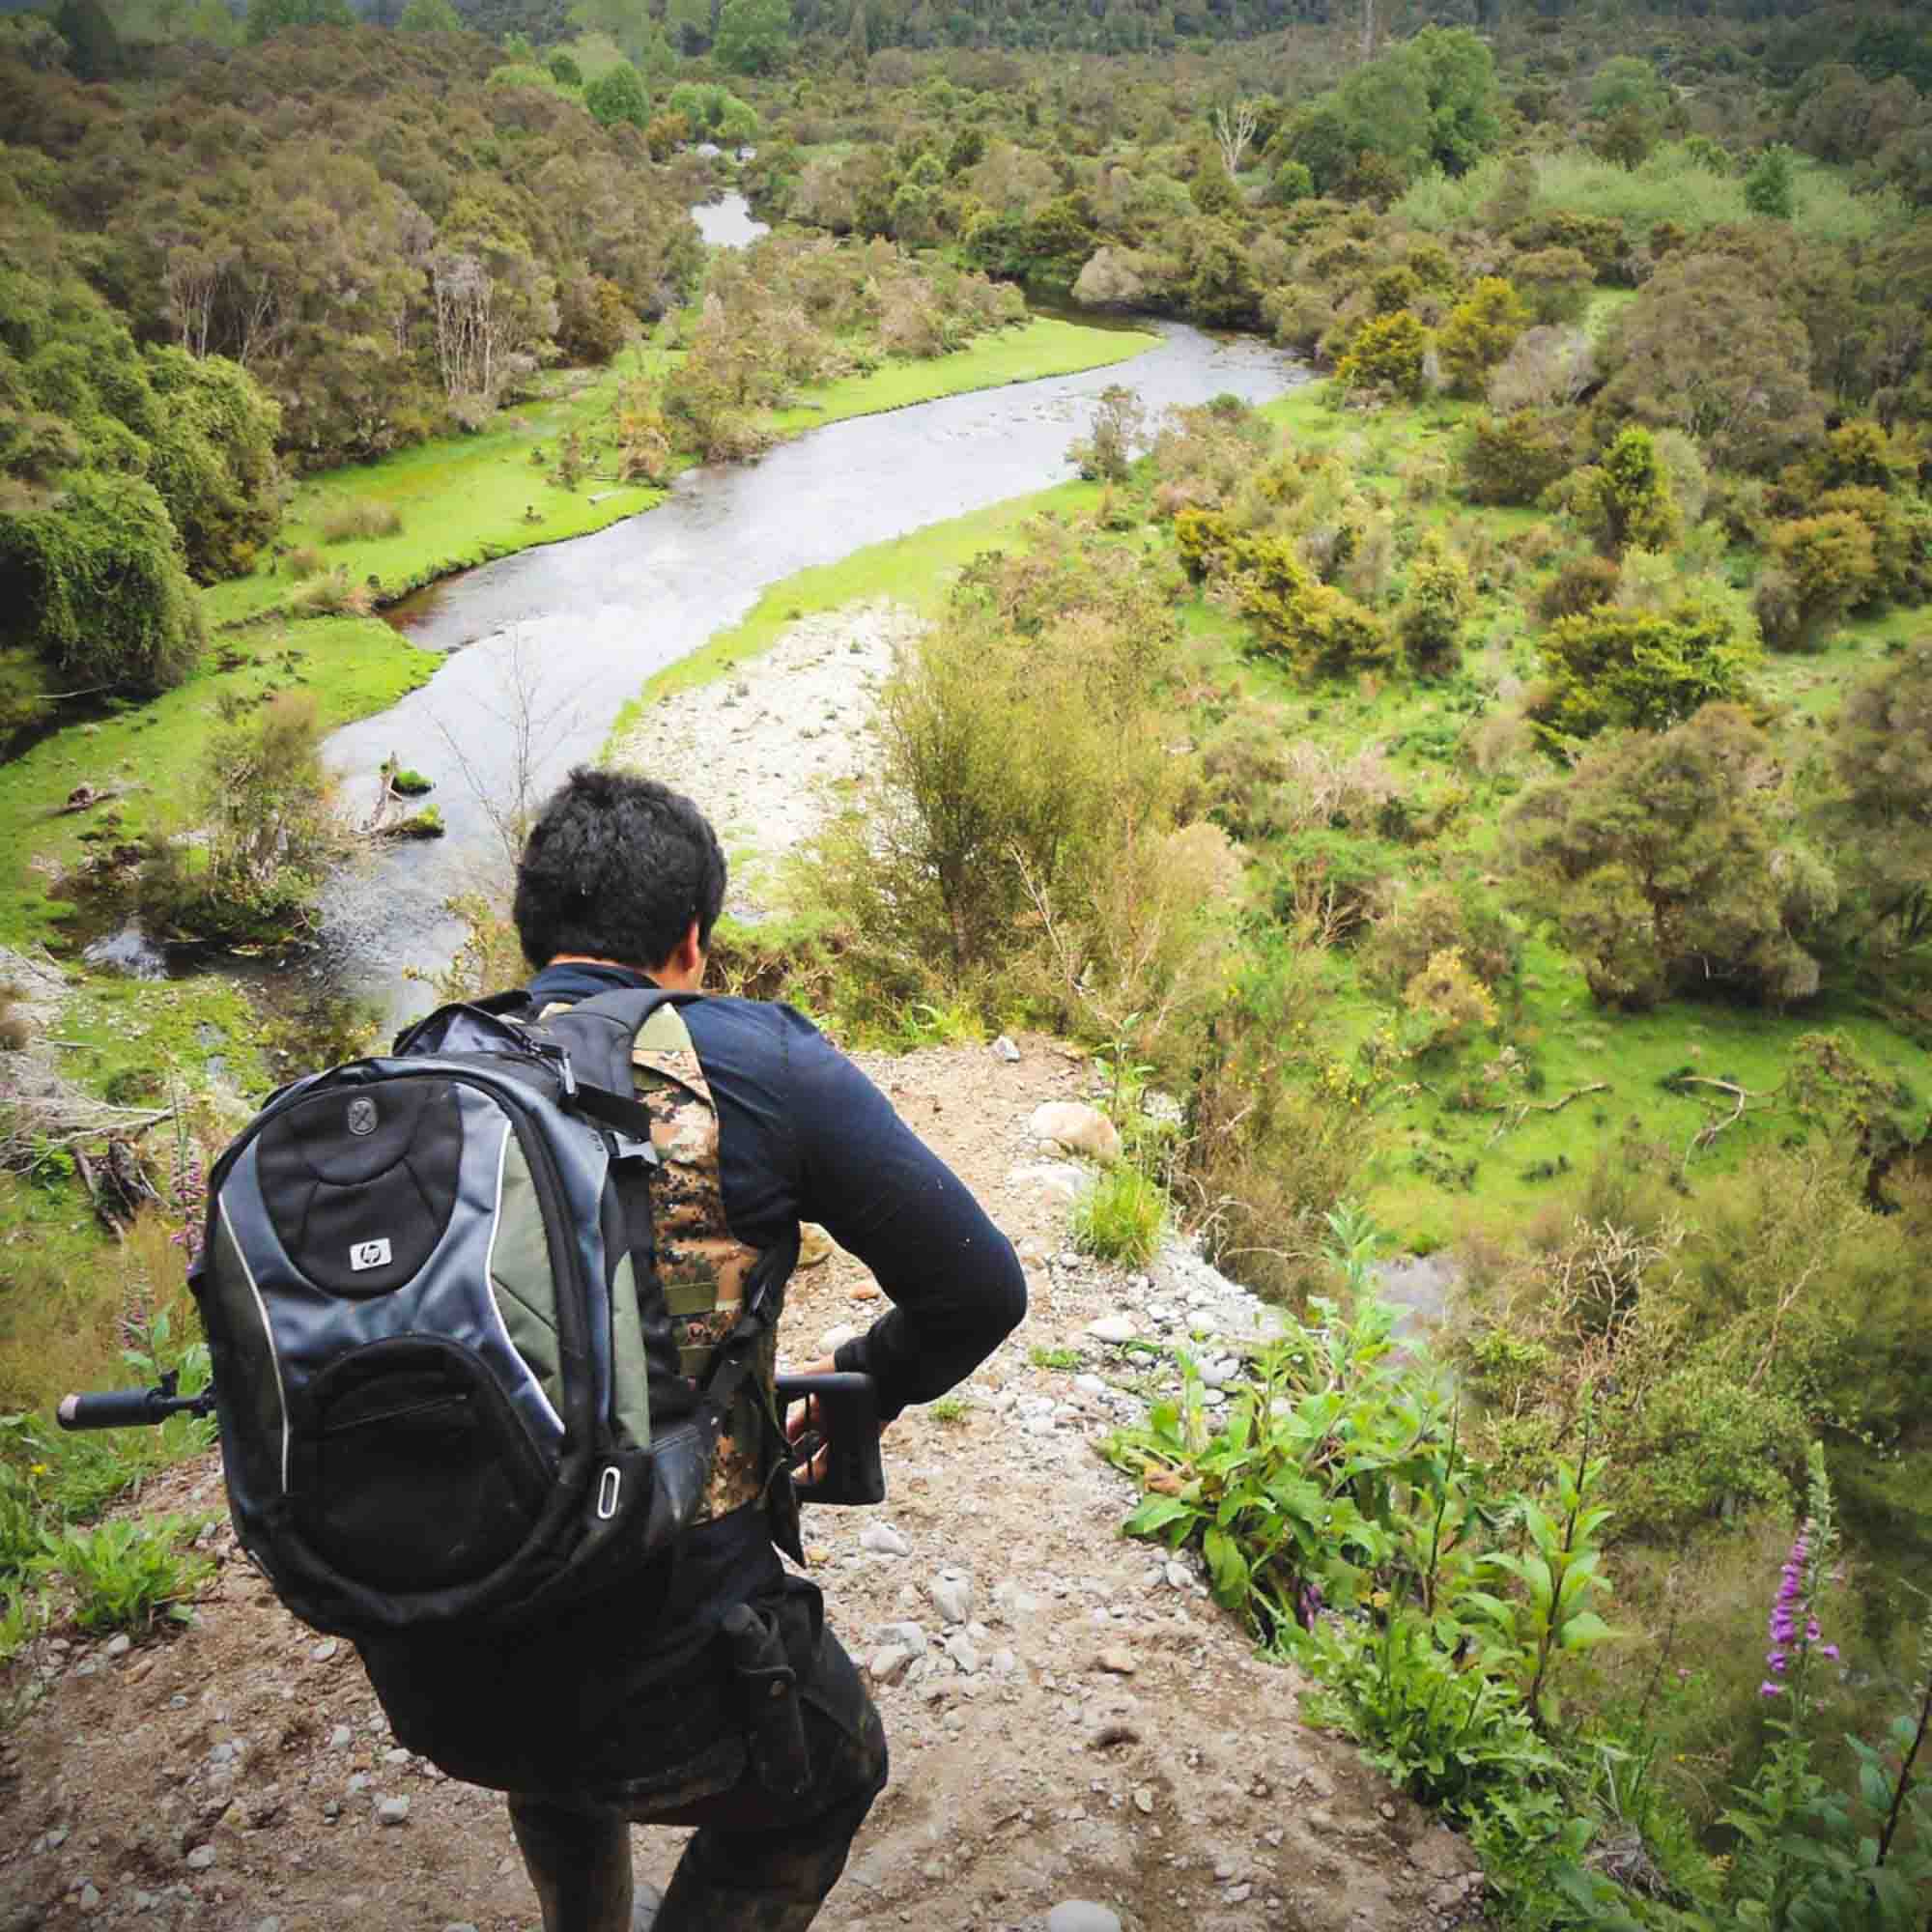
(956, 1283)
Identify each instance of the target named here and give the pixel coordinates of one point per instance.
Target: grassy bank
(352, 666)
(465, 500)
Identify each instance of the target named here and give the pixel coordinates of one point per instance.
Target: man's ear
(689, 954)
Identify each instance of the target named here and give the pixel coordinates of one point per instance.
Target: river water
(578, 627)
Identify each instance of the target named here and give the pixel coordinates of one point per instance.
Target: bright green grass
(1413, 1186)
(354, 665)
(1043, 347)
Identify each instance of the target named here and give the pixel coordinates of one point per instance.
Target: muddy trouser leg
(756, 1862)
(579, 1863)
(759, 1863)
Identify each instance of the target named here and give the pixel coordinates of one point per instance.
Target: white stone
(1077, 1128)
(889, 1663)
(1114, 1328)
(1082, 1914)
(884, 1540)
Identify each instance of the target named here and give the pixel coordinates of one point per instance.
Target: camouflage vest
(702, 1266)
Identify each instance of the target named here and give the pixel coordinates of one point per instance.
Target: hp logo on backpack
(369, 1254)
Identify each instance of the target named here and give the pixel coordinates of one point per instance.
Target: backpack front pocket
(419, 1474)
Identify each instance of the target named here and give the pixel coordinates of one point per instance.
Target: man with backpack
(704, 1689)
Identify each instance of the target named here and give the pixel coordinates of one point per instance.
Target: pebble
(889, 1663)
(1113, 1328)
(392, 1810)
(882, 1538)
(959, 1648)
(908, 1635)
(1178, 1576)
(1143, 1799)
(90, 1898)
(1082, 1914)
(1090, 1384)
(201, 1858)
(1004, 1663)
(119, 1646)
(952, 1595)
(324, 1650)
(1005, 1049)
(341, 1738)
(1118, 1660)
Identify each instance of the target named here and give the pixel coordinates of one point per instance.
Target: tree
(1646, 671)
(1625, 501)
(1667, 867)
(1514, 459)
(564, 71)
(1882, 823)
(429, 16)
(94, 47)
(1769, 187)
(1460, 81)
(1478, 333)
(752, 35)
(688, 23)
(269, 17)
(92, 581)
(618, 94)
(1706, 349)
(1234, 128)
(1212, 189)
(1825, 564)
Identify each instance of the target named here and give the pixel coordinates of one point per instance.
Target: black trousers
(766, 1851)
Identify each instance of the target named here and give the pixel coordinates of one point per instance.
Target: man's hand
(802, 1419)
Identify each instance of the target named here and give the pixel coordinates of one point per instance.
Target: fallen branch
(1526, 1108)
(1713, 1127)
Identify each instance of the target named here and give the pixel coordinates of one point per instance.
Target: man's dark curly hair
(617, 868)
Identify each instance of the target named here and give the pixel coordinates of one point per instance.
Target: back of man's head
(617, 868)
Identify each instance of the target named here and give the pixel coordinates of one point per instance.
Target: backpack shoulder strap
(599, 1034)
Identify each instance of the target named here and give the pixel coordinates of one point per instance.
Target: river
(580, 625)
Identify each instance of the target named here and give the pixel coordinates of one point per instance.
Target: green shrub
(1434, 919)
(1824, 565)
(1613, 666)
(1386, 354)
(1514, 458)
(1584, 583)
(1479, 332)
(1666, 866)
(129, 1573)
(1429, 623)
(1120, 1215)
(1625, 501)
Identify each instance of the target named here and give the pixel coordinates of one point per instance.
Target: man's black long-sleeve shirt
(802, 1135)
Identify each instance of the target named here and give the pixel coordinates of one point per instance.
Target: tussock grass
(1120, 1215)
(350, 518)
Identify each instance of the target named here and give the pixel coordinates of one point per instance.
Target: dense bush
(1386, 354)
(1514, 459)
(1667, 867)
(1615, 665)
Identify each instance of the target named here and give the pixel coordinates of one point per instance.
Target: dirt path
(1073, 1718)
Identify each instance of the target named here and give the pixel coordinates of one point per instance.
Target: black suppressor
(843, 1420)
(133, 1409)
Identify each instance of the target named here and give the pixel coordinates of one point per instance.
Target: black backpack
(446, 1385)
